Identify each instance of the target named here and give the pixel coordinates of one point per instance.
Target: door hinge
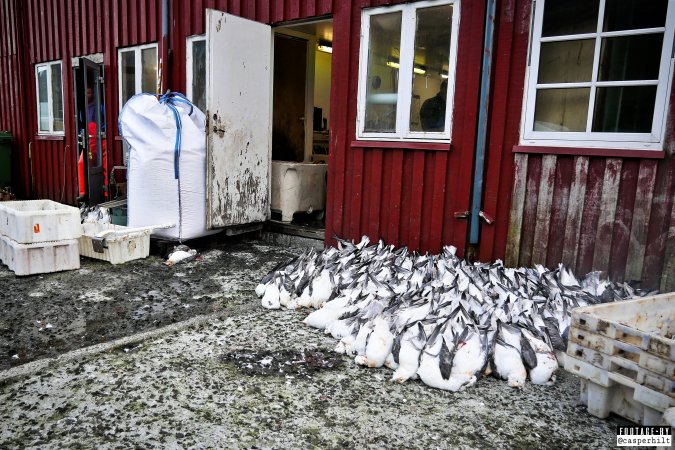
(462, 214)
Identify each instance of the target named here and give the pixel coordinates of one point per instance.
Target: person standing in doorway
(432, 113)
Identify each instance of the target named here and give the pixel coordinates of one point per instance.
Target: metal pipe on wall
(164, 60)
(481, 138)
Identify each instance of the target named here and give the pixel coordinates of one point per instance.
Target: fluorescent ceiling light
(417, 68)
(325, 46)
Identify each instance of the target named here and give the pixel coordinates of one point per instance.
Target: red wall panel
(404, 195)
(615, 216)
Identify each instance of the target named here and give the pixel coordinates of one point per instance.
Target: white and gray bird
(438, 318)
(180, 253)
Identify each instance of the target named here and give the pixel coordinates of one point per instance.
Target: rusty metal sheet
(239, 111)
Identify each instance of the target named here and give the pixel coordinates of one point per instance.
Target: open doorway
(90, 128)
(301, 125)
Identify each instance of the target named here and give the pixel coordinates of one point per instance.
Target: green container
(5, 159)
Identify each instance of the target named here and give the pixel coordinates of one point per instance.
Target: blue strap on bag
(170, 99)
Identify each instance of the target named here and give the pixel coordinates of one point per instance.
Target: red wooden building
(556, 145)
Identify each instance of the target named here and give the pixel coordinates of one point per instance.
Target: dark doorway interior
(290, 68)
(90, 131)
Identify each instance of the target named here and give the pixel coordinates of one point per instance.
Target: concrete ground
(230, 374)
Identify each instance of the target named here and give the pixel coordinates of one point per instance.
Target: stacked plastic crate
(39, 236)
(624, 354)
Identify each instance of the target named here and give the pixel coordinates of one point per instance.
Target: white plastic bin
(116, 244)
(298, 187)
(42, 257)
(32, 221)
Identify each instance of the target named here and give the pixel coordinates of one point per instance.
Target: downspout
(481, 138)
(164, 60)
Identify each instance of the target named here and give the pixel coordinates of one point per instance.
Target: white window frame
(50, 98)
(188, 64)
(589, 139)
(138, 88)
(407, 55)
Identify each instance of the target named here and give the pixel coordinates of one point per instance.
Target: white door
(239, 120)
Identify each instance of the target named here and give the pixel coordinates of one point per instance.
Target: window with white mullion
(569, 37)
(137, 71)
(49, 96)
(626, 83)
(138, 83)
(596, 65)
(406, 80)
(599, 73)
(196, 70)
(605, 34)
(50, 99)
(608, 34)
(406, 74)
(586, 84)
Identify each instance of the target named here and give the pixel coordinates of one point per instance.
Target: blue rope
(170, 99)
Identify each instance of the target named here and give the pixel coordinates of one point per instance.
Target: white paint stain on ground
(96, 296)
(212, 255)
(232, 284)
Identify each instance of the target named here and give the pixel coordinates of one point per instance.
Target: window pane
(149, 65)
(128, 81)
(630, 57)
(57, 97)
(566, 62)
(199, 74)
(432, 57)
(561, 109)
(564, 17)
(628, 109)
(43, 99)
(634, 14)
(382, 77)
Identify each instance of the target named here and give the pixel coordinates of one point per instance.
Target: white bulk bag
(157, 194)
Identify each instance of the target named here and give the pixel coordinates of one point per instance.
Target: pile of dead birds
(438, 318)
(94, 214)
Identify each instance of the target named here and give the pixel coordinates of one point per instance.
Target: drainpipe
(164, 60)
(481, 138)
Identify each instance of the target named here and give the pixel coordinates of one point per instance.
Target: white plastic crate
(44, 257)
(625, 367)
(624, 352)
(114, 243)
(647, 323)
(31, 221)
(610, 354)
(604, 392)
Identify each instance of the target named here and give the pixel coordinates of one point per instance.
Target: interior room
(301, 125)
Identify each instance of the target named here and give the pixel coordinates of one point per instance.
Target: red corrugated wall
(608, 213)
(404, 195)
(604, 213)
(12, 88)
(407, 196)
(61, 30)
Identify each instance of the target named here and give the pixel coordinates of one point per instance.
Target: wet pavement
(244, 377)
(45, 315)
